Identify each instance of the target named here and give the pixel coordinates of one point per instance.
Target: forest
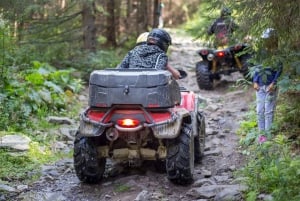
(49, 48)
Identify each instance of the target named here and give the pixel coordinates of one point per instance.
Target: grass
(25, 167)
(273, 166)
(122, 188)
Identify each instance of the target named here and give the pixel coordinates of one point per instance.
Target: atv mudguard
(172, 130)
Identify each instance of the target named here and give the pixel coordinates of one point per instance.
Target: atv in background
(138, 115)
(217, 62)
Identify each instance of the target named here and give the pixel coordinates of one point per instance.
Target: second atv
(217, 62)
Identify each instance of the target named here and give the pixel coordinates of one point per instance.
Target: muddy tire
(199, 141)
(88, 167)
(180, 157)
(203, 75)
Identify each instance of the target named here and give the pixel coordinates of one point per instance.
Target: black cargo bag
(149, 88)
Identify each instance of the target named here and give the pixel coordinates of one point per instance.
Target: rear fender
(188, 101)
(90, 124)
(94, 122)
(172, 130)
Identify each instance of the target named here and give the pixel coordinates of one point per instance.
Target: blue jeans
(265, 107)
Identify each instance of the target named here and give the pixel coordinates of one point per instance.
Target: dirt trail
(223, 107)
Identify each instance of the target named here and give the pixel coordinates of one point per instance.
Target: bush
(272, 169)
(89, 61)
(28, 91)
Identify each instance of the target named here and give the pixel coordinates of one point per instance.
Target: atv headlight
(210, 57)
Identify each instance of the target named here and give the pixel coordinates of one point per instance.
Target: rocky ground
(224, 107)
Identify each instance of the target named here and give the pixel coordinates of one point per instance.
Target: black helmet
(161, 38)
(225, 12)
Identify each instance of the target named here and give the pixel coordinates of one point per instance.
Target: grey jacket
(145, 56)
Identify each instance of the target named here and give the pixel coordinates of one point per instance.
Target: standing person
(151, 54)
(264, 82)
(222, 28)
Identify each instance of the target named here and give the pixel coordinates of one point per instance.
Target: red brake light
(220, 54)
(128, 123)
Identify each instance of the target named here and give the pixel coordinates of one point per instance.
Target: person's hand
(271, 87)
(255, 86)
(176, 74)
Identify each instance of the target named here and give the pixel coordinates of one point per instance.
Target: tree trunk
(145, 13)
(88, 25)
(156, 13)
(117, 17)
(110, 22)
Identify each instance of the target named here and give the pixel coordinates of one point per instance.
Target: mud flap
(171, 130)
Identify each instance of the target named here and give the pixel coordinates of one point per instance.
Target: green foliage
(5, 41)
(251, 196)
(25, 166)
(273, 166)
(15, 167)
(39, 87)
(122, 188)
(288, 111)
(42, 31)
(273, 170)
(289, 84)
(89, 61)
(248, 131)
(200, 22)
(50, 33)
(207, 13)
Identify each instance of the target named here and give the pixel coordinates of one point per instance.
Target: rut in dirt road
(223, 107)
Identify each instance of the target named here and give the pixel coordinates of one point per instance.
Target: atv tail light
(220, 54)
(128, 123)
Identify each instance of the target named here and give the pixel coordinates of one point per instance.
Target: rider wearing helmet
(160, 38)
(265, 79)
(150, 53)
(223, 27)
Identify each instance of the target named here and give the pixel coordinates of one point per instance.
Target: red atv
(139, 115)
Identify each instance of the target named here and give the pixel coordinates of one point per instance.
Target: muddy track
(223, 107)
